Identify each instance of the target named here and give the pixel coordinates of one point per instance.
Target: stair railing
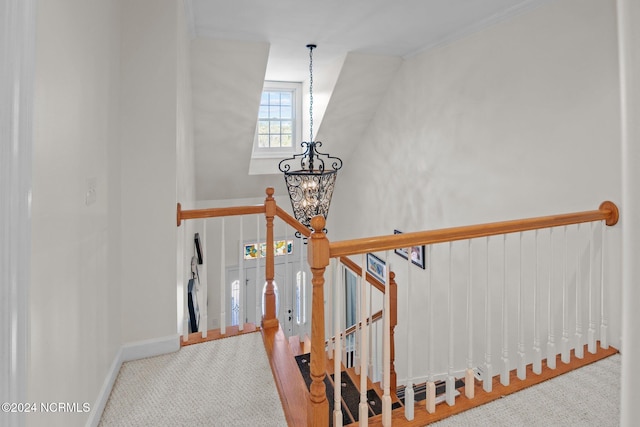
(270, 210)
(377, 316)
(321, 251)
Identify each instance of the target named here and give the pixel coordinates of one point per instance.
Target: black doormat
(304, 364)
(349, 392)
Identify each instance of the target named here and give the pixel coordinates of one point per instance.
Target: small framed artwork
(376, 267)
(417, 253)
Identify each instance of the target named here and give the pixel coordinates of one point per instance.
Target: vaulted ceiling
(236, 45)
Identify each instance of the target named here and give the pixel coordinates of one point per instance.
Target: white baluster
(346, 344)
(364, 347)
(371, 334)
(223, 281)
(409, 397)
(522, 364)
(358, 331)
(337, 359)
(579, 348)
(329, 308)
(451, 380)
(504, 373)
(537, 353)
(551, 344)
(591, 333)
(565, 351)
(186, 319)
(386, 348)
(259, 283)
(243, 283)
(303, 286)
(431, 386)
(604, 339)
(487, 377)
(469, 383)
(204, 307)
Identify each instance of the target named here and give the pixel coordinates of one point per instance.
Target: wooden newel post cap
(270, 191)
(317, 223)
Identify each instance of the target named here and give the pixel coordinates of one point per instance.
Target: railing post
(269, 319)
(393, 322)
(318, 258)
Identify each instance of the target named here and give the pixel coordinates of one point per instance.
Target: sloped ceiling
(238, 44)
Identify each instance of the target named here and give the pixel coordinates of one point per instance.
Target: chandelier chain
(311, 93)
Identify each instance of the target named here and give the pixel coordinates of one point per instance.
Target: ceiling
(398, 28)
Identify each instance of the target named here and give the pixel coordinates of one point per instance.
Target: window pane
(263, 127)
(286, 97)
(264, 99)
(264, 112)
(274, 112)
(274, 141)
(263, 141)
(274, 127)
(285, 140)
(286, 127)
(285, 112)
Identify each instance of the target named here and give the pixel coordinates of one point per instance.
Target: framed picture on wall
(417, 253)
(376, 267)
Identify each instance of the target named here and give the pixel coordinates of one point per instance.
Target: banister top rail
(607, 211)
(217, 212)
(284, 215)
(351, 329)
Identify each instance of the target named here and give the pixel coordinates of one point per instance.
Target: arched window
(235, 303)
(275, 291)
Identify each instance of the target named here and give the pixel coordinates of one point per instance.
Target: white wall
(16, 141)
(628, 19)
(113, 147)
(185, 159)
(518, 120)
(149, 171)
(75, 294)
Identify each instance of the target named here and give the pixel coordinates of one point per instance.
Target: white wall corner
(105, 391)
(127, 353)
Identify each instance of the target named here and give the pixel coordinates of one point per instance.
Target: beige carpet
(586, 397)
(225, 382)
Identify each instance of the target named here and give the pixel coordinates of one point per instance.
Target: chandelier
(311, 184)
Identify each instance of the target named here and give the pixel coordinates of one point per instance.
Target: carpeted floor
(229, 383)
(225, 382)
(586, 397)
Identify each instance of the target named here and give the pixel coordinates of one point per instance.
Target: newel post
(318, 258)
(269, 319)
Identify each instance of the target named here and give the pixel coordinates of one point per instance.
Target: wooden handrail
(351, 329)
(358, 270)
(217, 212)
(284, 215)
(607, 211)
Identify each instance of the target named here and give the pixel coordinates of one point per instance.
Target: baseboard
(129, 352)
(150, 348)
(105, 391)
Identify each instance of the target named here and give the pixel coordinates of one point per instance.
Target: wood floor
(294, 394)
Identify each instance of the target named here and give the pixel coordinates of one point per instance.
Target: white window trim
(270, 153)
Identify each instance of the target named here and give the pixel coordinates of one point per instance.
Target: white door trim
(17, 55)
